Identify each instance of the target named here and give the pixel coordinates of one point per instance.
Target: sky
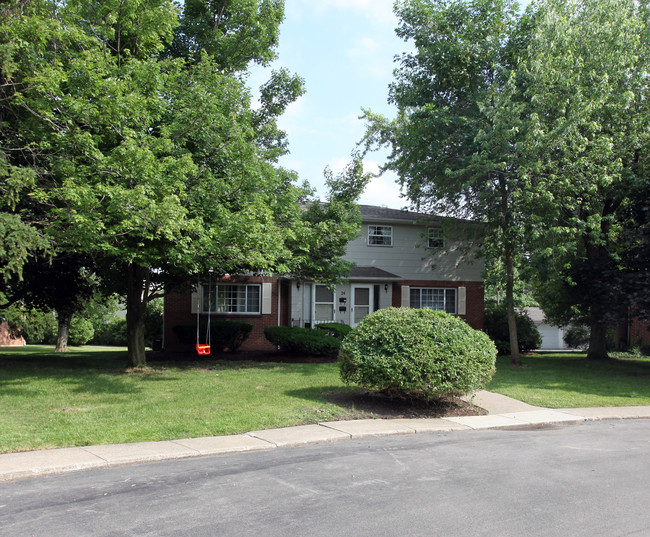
(344, 50)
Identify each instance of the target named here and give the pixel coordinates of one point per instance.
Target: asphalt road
(591, 479)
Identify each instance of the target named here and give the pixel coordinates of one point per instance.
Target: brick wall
(474, 299)
(178, 309)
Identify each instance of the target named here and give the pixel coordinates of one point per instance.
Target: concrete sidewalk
(503, 412)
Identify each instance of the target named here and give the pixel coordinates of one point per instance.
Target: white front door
(362, 303)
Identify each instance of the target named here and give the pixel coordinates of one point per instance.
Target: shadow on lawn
(90, 373)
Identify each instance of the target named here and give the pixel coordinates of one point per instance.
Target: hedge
(302, 340)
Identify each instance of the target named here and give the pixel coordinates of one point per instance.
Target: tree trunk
(510, 306)
(597, 342)
(64, 318)
(136, 305)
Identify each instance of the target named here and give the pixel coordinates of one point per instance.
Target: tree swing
(204, 348)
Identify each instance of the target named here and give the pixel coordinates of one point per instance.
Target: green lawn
(87, 397)
(568, 380)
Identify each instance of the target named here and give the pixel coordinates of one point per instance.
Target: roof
(372, 273)
(372, 212)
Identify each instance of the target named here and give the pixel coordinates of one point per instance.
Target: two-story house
(401, 259)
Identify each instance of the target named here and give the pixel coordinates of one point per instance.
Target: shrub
(417, 353)
(302, 340)
(338, 330)
(577, 337)
(496, 326)
(224, 335)
(81, 331)
(111, 333)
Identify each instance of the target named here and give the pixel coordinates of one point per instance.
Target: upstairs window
(380, 235)
(436, 238)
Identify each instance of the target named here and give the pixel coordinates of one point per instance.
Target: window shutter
(406, 296)
(266, 298)
(462, 301)
(195, 301)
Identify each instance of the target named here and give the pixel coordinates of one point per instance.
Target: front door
(361, 303)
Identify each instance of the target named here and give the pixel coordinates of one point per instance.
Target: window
(323, 304)
(436, 238)
(437, 299)
(228, 298)
(380, 235)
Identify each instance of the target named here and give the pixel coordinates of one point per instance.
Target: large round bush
(417, 353)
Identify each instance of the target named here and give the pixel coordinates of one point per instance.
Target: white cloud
(383, 191)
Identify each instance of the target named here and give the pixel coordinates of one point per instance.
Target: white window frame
(375, 235)
(450, 304)
(220, 288)
(436, 238)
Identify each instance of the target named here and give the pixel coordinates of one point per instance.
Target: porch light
(386, 287)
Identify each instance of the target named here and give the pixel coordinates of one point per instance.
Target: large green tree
(454, 141)
(133, 128)
(587, 148)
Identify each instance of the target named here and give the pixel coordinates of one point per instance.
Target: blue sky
(344, 50)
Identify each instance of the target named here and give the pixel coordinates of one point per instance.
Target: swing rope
(205, 347)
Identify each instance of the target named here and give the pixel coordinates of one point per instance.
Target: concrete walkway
(503, 412)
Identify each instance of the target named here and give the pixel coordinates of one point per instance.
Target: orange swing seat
(202, 348)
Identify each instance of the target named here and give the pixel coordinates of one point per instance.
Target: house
(552, 336)
(7, 338)
(400, 257)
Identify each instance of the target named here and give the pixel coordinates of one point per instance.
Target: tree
(137, 130)
(64, 283)
(588, 169)
(459, 100)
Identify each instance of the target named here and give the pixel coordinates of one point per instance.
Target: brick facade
(474, 315)
(178, 309)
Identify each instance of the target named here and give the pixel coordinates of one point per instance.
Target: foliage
(111, 333)
(577, 337)
(35, 325)
(338, 330)
(128, 134)
(454, 141)
(587, 149)
(302, 340)
(81, 330)
(417, 353)
(224, 335)
(153, 323)
(496, 326)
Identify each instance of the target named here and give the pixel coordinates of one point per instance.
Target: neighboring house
(552, 336)
(6, 338)
(399, 260)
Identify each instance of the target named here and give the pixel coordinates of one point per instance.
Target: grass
(88, 397)
(568, 380)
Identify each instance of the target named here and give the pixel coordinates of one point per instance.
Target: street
(591, 479)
